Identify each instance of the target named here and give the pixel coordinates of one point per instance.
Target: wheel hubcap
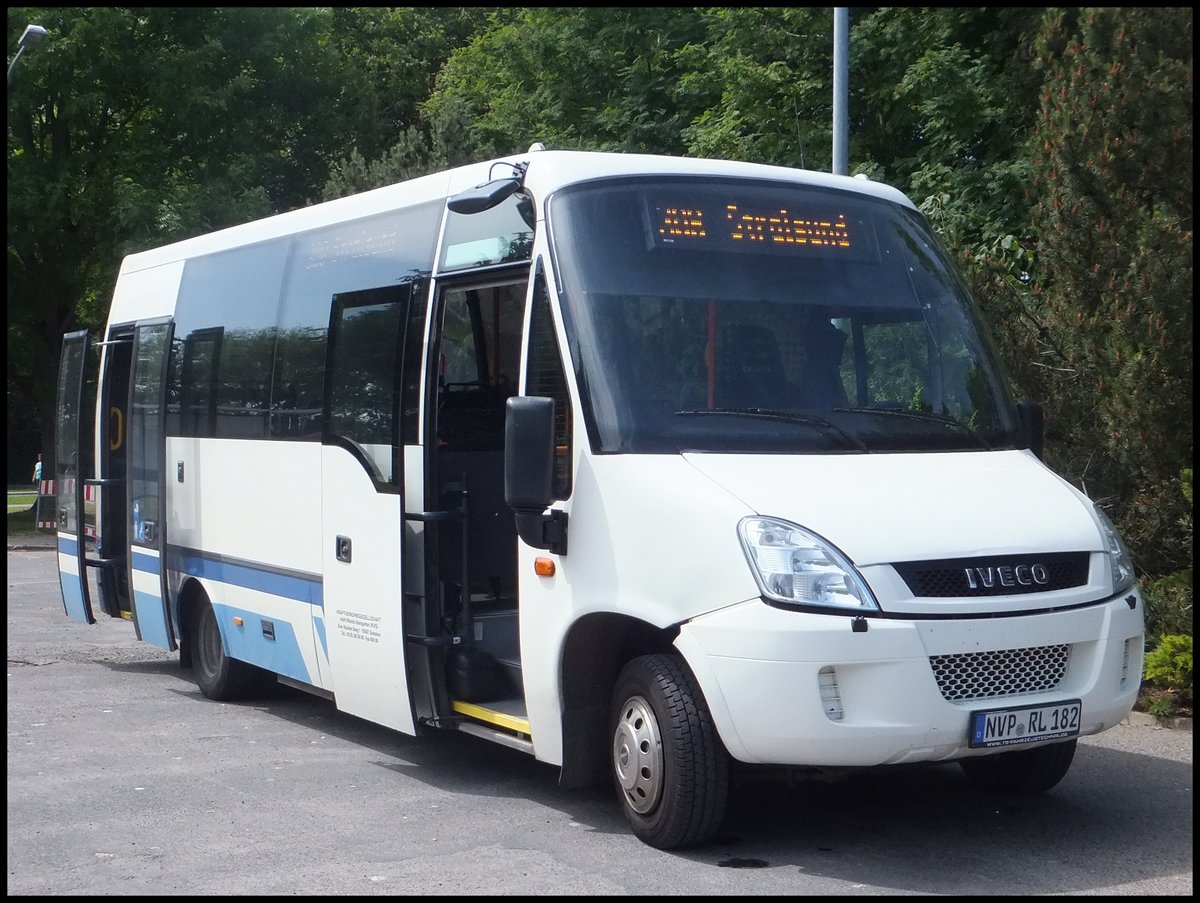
(637, 755)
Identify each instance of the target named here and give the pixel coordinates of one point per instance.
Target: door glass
(68, 451)
(145, 434)
(366, 338)
(71, 468)
(479, 363)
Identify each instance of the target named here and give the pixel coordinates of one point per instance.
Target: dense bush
(1168, 676)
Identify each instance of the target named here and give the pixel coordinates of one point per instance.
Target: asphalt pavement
(123, 780)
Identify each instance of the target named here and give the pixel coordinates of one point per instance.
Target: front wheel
(1023, 771)
(670, 768)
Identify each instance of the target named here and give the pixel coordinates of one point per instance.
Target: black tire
(670, 769)
(217, 675)
(1024, 772)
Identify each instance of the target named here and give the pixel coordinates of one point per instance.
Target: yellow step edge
(499, 719)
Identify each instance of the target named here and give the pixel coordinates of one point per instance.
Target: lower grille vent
(1008, 672)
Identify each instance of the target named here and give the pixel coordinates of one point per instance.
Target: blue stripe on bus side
(152, 622)
(73, 596)
(247, 643)
(151, 564)
(153, 628)
(319, 624)
(281, 654)
(249, 576)
(70, 582)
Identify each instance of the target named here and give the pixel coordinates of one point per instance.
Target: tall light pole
(841, 91)
(31, 37)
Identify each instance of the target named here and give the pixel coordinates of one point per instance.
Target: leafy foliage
(598, 78)
(133, 127)
(1167, 689)
(1170, 664)
(1050, 150)
(1112, 291)
(1168, 604)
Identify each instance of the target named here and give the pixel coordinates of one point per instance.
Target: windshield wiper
(918, 415)
(784, 416)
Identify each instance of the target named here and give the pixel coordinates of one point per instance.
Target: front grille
(994, 575)
(1008, 672)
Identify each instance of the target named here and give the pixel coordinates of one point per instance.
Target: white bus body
(648, 467)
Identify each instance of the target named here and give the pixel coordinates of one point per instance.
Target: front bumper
(762, 671)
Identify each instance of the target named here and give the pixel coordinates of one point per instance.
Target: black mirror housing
(1033, 431)
(483, 197)
(529, 453)
(529, 472)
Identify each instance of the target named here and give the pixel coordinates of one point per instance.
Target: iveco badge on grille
(1007, 575)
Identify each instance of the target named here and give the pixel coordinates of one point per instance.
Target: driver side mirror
(529, 472)
(1033, 431)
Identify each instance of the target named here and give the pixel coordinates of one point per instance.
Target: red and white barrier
(46, 509)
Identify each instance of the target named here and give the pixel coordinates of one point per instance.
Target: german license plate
(1025, 724)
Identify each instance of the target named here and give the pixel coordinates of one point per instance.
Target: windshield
(734, 315)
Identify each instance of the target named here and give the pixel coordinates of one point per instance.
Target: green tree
(392, 57)
(1113, 283)
(129, 129)
(582, 77)
(941, 102)
(1051, 151)
(759, 86)
(415, 145)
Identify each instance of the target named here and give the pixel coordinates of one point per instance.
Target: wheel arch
(596, 648)
(190, 597)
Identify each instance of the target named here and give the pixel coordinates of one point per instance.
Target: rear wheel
(219, 676)
(670, 768)
(1022, 771)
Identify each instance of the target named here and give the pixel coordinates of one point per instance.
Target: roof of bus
(548, 170)
(552, 169)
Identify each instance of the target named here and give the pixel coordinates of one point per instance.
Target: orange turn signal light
(543, 567)
(237, 622)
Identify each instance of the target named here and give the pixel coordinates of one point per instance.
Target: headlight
(797, 567)
(1119, 561)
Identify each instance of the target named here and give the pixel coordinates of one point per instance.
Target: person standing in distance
(37, 471)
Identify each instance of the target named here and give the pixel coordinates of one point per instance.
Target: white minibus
(652, 468)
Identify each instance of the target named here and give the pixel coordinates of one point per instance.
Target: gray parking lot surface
(123, 780)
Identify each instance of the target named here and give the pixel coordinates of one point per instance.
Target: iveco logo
(1007, 575)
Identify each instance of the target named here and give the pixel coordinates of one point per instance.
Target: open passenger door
(146, 483)
(72, 441)
(362, 622)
